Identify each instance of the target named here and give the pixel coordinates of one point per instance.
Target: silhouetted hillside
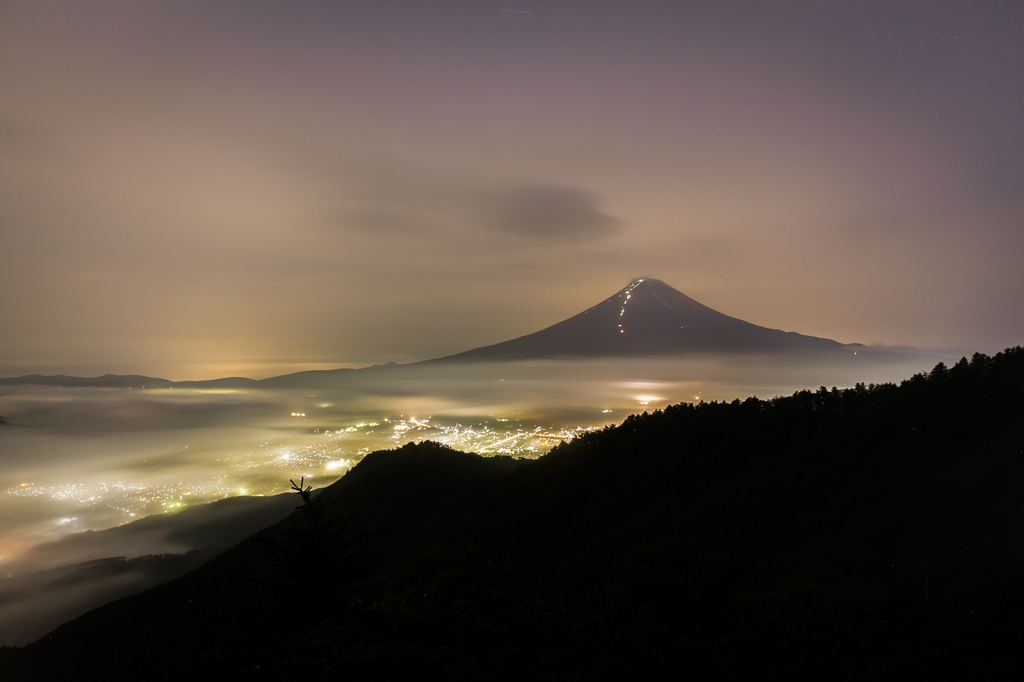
(60, 580)
(871, 533)
(218, 524)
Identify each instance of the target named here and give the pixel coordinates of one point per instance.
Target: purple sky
(200, 189)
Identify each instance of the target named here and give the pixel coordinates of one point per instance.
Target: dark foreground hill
(871, 533)
(57, 581)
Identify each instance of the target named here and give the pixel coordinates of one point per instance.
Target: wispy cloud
(548, 211)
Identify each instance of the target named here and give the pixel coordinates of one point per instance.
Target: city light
(266, 470)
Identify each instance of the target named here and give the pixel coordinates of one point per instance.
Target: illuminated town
(267, 470)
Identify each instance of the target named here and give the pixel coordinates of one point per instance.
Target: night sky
(197, 189)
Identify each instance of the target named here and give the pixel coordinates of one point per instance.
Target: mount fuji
(648, 317)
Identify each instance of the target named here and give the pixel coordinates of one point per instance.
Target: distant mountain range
(646, 318)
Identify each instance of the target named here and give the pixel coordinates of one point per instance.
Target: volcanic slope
(648, 317)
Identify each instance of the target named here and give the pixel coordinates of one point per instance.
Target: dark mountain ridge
(867, 533)
(107, 380)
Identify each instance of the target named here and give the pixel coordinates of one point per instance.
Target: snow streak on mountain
(649, 317)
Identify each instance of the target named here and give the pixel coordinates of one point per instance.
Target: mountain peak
(648, 317)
